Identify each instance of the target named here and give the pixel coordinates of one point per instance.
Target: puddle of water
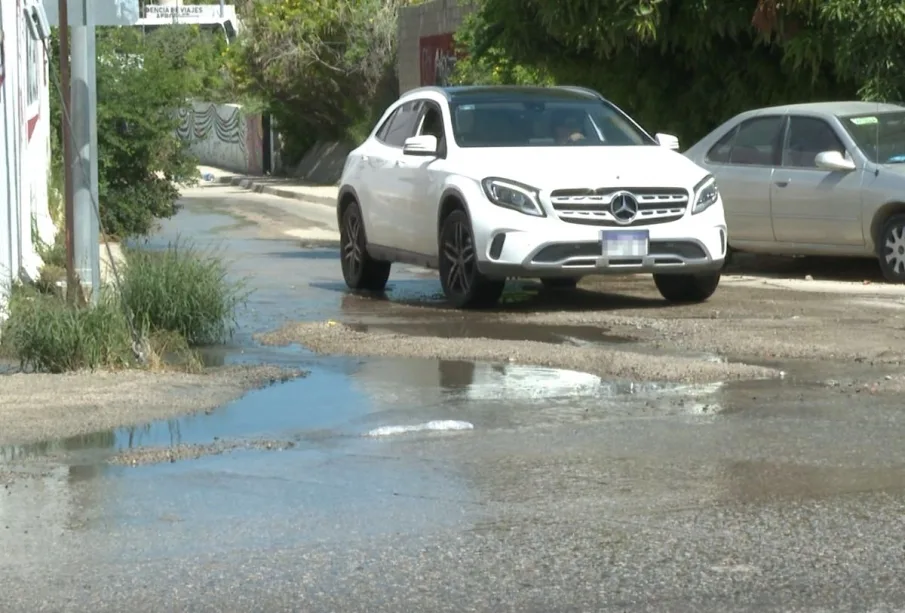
(503, 331)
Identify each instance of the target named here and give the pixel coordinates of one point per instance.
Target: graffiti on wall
(221, 135)
(437, 55)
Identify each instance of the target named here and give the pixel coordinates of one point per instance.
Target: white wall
(24, 149)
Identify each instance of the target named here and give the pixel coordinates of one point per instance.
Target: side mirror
(424, 145)
(833, 160)
(668, 140)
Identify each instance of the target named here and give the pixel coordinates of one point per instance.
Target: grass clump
(183, 290)
(47, 334)
(178, 297)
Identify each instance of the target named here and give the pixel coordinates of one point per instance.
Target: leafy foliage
(324, 68)
(142, 79)
(684, 66)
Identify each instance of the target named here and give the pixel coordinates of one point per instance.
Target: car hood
(575, 167)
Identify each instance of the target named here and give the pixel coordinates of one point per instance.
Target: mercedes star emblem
(623, 207)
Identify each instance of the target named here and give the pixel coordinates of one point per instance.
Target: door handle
(365, 159)
(783, 182)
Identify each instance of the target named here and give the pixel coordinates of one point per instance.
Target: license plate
(624, 244)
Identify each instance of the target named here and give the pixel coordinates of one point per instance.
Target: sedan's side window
(809, 136)
(722, 150)
(402, 124)
(757, 142)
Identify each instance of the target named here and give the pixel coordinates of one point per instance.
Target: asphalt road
(561, 491)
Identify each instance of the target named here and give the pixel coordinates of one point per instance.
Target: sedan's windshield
(543, 123)
(881, 136)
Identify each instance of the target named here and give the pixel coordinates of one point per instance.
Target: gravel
(337, 338)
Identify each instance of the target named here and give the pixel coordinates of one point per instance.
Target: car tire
(560, 283)
(686, 288)
(463, 284)
(360, 270)
(891, 249)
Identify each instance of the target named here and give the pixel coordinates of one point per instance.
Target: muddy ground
(619, 327)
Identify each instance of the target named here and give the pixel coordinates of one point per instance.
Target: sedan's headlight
(512, 195)
(706, 193)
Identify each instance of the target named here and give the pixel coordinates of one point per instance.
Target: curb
(281, 192)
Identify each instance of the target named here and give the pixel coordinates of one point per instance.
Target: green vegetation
(142, 80)
(178, 298)
(182, 290)
(325, 69)
(684, 66)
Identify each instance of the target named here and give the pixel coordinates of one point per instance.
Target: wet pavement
(394, 484)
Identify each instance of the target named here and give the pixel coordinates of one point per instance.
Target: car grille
(592, 206)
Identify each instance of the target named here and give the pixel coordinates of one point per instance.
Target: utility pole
(85, 224)
(68, 161)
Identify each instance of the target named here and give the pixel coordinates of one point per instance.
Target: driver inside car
(567, 127)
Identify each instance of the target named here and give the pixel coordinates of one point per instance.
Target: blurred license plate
(624, 243)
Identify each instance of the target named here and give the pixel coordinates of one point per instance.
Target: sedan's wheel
(560, 283)
(687, 287)
(891, 249)
(360, 270)
(463, 284)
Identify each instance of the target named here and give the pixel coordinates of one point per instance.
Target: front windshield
(881, 136)
(543, 123)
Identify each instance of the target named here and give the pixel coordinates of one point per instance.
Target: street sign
(101, 12)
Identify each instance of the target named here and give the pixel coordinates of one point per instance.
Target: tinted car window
(540, 121)
(432, 123)
(809, 136)
(721, 151)
(880, 136)
(403, 124)
(757, 142)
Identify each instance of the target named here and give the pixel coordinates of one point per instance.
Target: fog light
(496, 246)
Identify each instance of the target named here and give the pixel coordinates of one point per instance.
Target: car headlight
(706, 193)
(513, 195)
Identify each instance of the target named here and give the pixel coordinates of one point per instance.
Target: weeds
(179, 298)
(182, 290)
(47, 334)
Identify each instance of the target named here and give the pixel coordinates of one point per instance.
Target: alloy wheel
(352, 251)
(459, 252)
(894, 249)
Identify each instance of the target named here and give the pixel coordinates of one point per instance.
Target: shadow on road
(528, 296)
(818, 268)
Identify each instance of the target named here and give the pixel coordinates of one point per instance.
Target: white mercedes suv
(490, 183)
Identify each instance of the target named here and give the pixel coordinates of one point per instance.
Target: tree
(142, 81)
(684, 66)
(324, 68)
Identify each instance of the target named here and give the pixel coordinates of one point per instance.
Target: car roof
(461, 93)
(842, 108)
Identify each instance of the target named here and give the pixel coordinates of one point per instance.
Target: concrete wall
(24, 149)
(424, 34)
(223, 136)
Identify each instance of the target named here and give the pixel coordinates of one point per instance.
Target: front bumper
(517, 245)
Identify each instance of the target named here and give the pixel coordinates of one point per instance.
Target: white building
(24, 148)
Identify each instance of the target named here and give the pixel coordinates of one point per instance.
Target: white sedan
(490, 183)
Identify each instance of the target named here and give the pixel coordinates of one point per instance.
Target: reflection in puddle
(497, 330)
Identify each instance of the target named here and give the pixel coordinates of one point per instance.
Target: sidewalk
(283, 187)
